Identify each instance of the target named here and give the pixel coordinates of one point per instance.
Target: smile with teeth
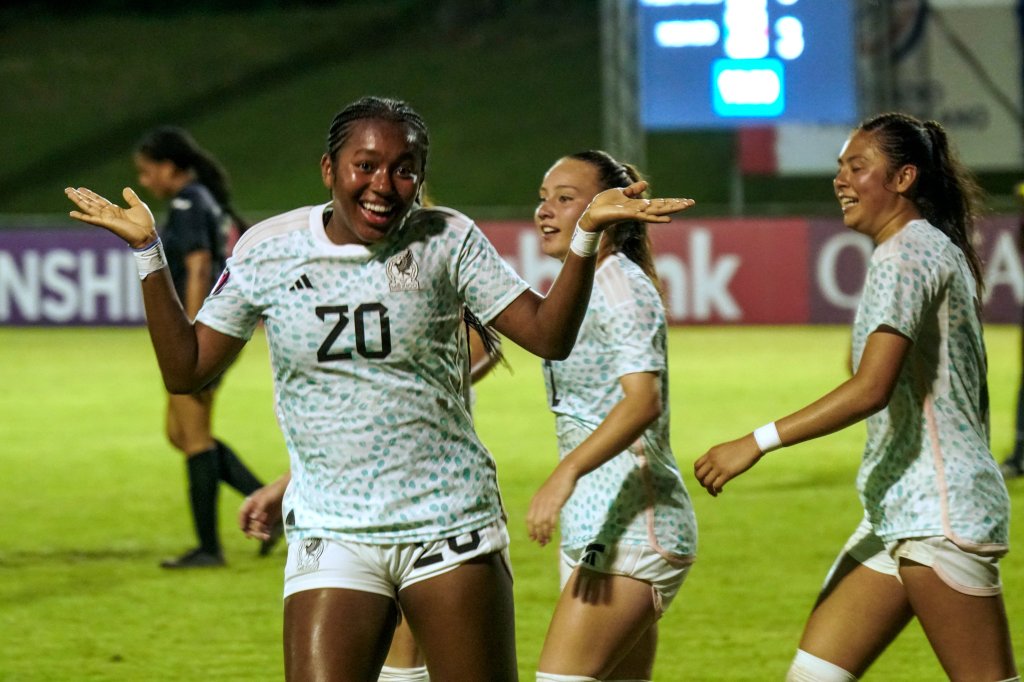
(549, 230)
(382, 210)
(847, 202)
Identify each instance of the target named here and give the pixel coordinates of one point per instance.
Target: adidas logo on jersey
(592, 553)
(301, 283)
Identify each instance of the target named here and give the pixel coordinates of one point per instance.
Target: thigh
(336, 635)
(599, 620)
(464, 621)
(860, 612)
(970, 634)
(404, 653)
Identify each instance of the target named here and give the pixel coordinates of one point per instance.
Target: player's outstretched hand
(134, 224)
(547, 503)
(726, 461)
(261, 511)
(627, 203)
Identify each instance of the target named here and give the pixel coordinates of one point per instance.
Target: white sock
(809, 668)
(551, 677)
(1011, 679)
(389, 674)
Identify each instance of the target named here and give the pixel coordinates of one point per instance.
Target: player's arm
(625, 424)
(198, 274)
(547, 325)
(857, 398)
(261, 511)
(189, 356)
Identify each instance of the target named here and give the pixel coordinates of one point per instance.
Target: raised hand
(620, 204)
(135, 224)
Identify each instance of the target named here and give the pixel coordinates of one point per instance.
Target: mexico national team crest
(308, 557)
(402, 272)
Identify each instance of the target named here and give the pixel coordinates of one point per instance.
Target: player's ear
(327, 170)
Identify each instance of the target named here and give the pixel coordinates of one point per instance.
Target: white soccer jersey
(927, 467)
(638, 496)
(369, 370)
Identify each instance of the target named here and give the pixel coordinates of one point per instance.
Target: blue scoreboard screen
(726, 63)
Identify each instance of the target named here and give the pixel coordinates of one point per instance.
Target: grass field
(94, 498)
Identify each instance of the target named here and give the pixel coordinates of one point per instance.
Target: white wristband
(584, 244)
(150, 258)
(767, 438)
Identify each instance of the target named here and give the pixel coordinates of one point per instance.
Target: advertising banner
(716, 271)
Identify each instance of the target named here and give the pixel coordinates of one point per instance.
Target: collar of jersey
(326, 246)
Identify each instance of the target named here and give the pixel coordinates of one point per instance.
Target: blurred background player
(936, 509)
(628, 532)
(200, 219)
(1013, 465)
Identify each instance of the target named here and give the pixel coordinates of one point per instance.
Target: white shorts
(317, 563)
(965, 572)
(640, 562)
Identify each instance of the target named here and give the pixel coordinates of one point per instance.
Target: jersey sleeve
(634, 325)
(230, 309)
(485, 282)
(900, 291)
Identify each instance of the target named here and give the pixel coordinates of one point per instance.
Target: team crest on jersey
(402, 272)
(308, 558)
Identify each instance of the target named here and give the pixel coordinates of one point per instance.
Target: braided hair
(946, 192)
(378, 109)
(170, 143)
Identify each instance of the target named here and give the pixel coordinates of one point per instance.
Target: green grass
(94, 498)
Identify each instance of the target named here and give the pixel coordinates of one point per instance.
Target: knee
(809, 668)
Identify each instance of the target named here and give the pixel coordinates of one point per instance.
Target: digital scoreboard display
(727, 63)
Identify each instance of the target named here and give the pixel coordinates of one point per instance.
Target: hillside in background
(505, 91)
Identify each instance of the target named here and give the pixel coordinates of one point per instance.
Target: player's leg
(638, 663)
(464, 620)
(404, 662)
(958, 600)
(1013, 465)
(598, 619)
(336, 635)
(188, 429)
(860, 610)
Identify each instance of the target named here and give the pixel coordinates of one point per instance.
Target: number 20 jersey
(369, 370)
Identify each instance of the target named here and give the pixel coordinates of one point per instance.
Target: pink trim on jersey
(940, 473)
(652, 538)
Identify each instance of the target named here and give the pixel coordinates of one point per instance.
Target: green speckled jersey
(638, 496)
(927, 467)
(369, 371)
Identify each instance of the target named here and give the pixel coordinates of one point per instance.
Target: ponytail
(946, 192)
(170, 143)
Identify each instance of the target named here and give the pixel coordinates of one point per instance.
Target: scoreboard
(729, 63)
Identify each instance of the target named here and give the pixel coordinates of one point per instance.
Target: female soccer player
(393, 500)
(936, 508)
(172, 166)
(627, 526)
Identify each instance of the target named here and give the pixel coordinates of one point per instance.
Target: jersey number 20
(362, 311)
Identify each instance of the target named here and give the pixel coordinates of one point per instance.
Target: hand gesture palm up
(135, 224)
(619, 204)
